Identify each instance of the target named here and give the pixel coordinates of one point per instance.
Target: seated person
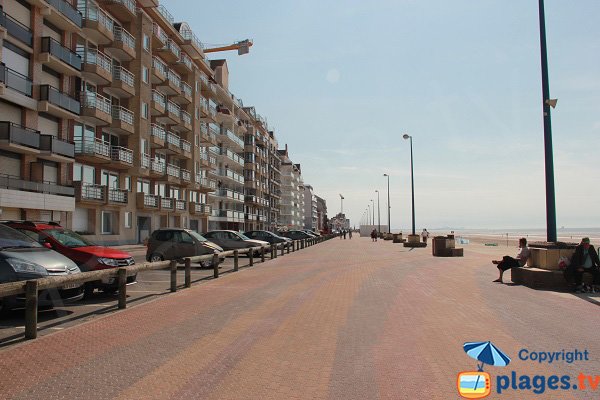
(508, 262)
(585, 259)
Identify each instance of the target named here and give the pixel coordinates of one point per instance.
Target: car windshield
(11, 238)
(243, 236)
(68, 238)
(198, 236)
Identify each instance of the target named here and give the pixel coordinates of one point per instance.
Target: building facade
(310, 208)
(321, 213)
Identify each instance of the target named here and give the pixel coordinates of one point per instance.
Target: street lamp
(341, 204)
(368, 214)
(412, 182)
(389, 224)
(373, 203)
(378, 214)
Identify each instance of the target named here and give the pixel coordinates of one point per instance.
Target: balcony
(146, 201)
(157, 136)
(200, 209)
(185, 94)
(123, 47)
(180, 206)
(16, 183)
(57, 103)
(225, 116)
(230, 137)
(19, 139)
(172, 85)
(123, 83)
(14, 80)
(173, 143)
(190, 42)
(159, 71)
(145, 161)
(55, 149)
(97, 24)
(122, 120)
(122, 157)
(186, 175)
(159, 37)
(118, 197)
(172, 115)
(157, 167)
(225, 173)
(167, 204)
(92, 150)
(229, 194)
(228, 215)
(124, 9)
(171, 52)
(186, 121)
(96, 109)
(59, 58)
(186, 147)
(89, 194)
(185, 65)
(61, 14)
(159, 103)
(16, 29)
(97, 66)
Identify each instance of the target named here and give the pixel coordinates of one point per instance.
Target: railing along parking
(31, 288)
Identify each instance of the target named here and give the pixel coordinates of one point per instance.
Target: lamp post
(341, 204)
(373, 208)
(389, 224)
(368, 214)
(412, 182)
(378, 214)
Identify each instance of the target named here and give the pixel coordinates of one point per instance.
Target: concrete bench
(543, 278)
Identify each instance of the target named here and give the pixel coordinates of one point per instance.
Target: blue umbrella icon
(487, 353)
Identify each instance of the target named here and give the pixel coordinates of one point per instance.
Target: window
(197, 86)
(107, 222)
(128, 183)
(196, 140)
(197, 113)
(144, 110)
(146, 42)
(145, 74)
(128, 219)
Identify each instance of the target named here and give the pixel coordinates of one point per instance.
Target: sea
(532, 234)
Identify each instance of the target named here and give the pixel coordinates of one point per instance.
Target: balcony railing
(233, 138)
(123, 75)
(230, 174)
(129, 4)
(158, 166)
(122, 114)
(186, 118)
(173, 139)
(151, 200)
(56, 97)
(173, 170)
(186, 60)
(94, 100)
(186, 146)
(167, 203)
(165, 13)
(202, 208)
(214, 129)
(174, 78)
(92, 146)
(173, 108)
(56, 145)
(92, 12)
(159, 65)
(96, 57)
(16, 183)
(16, 29)
(180, 205)
(50, 45)
(159, 98)
(188, 34)
(14, 80)
(160, 33)
(18, 134)
(186, 89)
(157, 131)
(92, 192)
(121, 35)
(145, 161)
(118, 196)
(186, 175)
(122, 154)
(67, 10)
(172, 46)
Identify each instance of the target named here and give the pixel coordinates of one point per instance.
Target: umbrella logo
(477, 384)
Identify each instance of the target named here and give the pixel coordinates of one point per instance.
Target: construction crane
(242, 47)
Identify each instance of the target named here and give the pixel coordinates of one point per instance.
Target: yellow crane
(242, 47)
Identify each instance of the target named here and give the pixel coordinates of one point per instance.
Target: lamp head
(406, 136)
(385, 175)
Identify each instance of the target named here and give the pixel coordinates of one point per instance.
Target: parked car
(267, 236)
(178, 243)
(22, 258)
(296, 235)
(232, 240)
(86, 254)
(309, 232)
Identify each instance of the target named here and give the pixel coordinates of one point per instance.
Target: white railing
(186, 89)
(174, 78)
(121, 35)
(186, 118)
(173, 139)
(186, 146)
(122, 114)
(186, 175)
(94, 100)
(159, 65)
(123, 75)
(145, 161)
(122, 154)
(96, 57)
(159, 98)
(173, 108)
(157, 131)
(92, 146)
(160, 33)
(158, 166)
(173, 170)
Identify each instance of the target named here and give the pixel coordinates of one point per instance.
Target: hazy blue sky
(342, 81)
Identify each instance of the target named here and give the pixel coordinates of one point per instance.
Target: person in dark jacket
(585, 259)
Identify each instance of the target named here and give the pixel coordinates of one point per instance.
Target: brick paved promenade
(346, 319)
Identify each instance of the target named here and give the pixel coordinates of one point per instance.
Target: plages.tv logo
(478, 384)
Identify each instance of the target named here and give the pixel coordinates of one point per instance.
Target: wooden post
(215, 263)
(188, 273)
(236, 265)
(31, 308)
(122, 281)
(262, 254)
(251, 256)
(287, 245)
(273, 252)
(173, 267)
(282, 249)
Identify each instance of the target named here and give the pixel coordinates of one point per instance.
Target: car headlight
(19, 265)
(111, 262)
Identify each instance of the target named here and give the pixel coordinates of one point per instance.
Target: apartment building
(292, 193)
(321, 213)
(310, 208)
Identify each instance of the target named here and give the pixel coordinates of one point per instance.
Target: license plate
(71, 286)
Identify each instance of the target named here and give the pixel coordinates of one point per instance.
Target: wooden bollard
(287, 245)
(31, 308)
(262, 254)
(122, 282)
(251, 255)
(215, 263)
(273, 252)
(282, 249)
(173, 267)
(236, 265)
(188, 273)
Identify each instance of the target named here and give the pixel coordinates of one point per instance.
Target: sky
(340, 82)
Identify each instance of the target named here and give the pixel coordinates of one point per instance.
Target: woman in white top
(509, 262)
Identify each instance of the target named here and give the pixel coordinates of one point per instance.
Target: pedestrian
(340, 233)
(584, 260)
(374, 235)
(350, 234)
(424, 235)
(508, 262)
(344, 234)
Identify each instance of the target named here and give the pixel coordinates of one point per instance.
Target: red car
(87, 255)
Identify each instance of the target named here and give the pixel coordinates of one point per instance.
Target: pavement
(345, 319)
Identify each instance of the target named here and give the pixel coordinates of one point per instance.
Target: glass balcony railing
(186, 60)
(158, 131)
(159, 98)
(233, 138)
(18, 134)
(186, 146)
(172, 46)
(56, 145)
(188, 34)
(186, 89)
(159, 33)
(94, 100)
(96, 57)
(122, 114)
(123, 75)
(67, 10)
(50, 45)
(173, 139)
(121, 35)
(159, 66)
(166, 14)
(92, 146)
(186, 118)
(174, 78)
(16, 29)
(92, 12)
(129, 4)
(122, 154)
(56, 97)
(16, 81)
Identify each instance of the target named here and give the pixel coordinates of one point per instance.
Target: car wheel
(206, 264)
(156, 257)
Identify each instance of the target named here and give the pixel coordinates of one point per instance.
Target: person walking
(374, 235)
(344, 234)
(424, 235)
(350, 234)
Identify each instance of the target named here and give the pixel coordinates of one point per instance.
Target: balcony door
(110, 179)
